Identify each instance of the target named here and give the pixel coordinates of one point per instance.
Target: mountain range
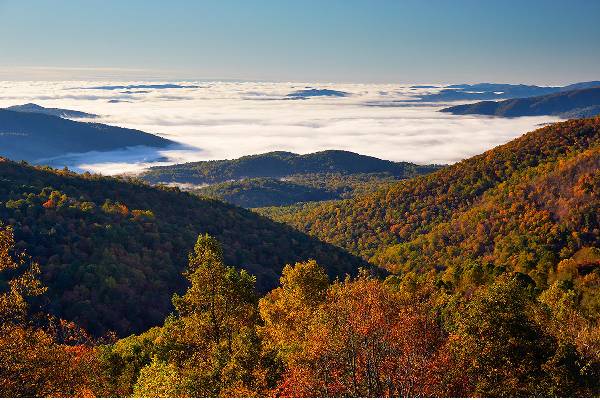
(498, 91)
(516, 207)
(113, 250)
(280, 164)
(580, 103)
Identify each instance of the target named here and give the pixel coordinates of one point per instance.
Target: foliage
(530, 203)
(494, 291)
(113, 249)
(267, 192)
(34, 363)
(280, 164)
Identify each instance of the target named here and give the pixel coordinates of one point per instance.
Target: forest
(407, 335)
(491, 285)
(113, 250)
(282, 178)
(293, 189)
(282, 164)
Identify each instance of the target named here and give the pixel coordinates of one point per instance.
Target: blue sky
(543, 42)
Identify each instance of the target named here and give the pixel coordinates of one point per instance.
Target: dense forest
(492, 286)
(373, 225)
(112, 250)
(408, 335)
(282, 164)
(265, 192)
(283, 178)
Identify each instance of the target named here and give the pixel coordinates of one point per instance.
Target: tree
(21, 280)
(356, 338)
(501, 349)
(210, 346)
(33, 363)
(287, 310)
(158, 379)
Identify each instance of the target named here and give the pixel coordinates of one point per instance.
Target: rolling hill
(523, 206)
(283, 178)
(267, 192)
(280, 164)
(112, 250)
(33, 136)
(579, 103)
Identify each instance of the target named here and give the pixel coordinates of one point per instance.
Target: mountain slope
(33, 136)
(571, 104)
(112, 251)
(372, 224)
(280, 164)
(57, 112)
(267, 192)
(528, 223)
(499, 91)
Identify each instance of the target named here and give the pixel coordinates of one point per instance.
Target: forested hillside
(283, 178)
(281, 164)
(112, 250)
(522, 206)
(265, 192)
(494, 287)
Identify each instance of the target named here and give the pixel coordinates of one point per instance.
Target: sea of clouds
(219, 120)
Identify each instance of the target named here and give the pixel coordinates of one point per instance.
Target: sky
(369, 41)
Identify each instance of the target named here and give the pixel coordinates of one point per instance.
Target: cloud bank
(231, 119)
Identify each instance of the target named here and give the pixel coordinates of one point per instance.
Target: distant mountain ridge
(578, 103)
(499, 91)
(301, 188)
(311, 92)
(57, 112)
(33, 136)
(279, 164)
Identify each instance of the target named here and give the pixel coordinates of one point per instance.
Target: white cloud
(231, 119)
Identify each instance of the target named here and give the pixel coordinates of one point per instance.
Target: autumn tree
(287, 310)
(33, 363)
(355, 338)
(504, 351)
(210, 346)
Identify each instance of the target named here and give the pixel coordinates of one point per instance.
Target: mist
(224, 120)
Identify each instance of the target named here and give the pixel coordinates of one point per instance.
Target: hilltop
(280, 164)
(283, 178)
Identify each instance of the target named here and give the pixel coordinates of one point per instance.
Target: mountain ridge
(33, 136)
(580, 103)
(279, 164)
(57, 112)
